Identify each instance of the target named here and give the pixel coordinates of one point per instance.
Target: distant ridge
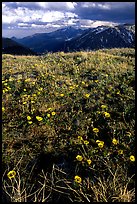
(10, 46)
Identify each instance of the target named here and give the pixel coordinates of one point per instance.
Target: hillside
(10, 46)
(68, 126)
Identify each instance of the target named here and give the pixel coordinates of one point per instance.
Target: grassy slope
(74, 86)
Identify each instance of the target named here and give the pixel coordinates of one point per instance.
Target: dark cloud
(107, 11)
(55, 6)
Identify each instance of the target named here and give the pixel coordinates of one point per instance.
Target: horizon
(22, 19)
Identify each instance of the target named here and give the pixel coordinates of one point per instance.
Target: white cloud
(104, 6)
(88, 4)
(51, 16)
(71, 5)
(70, 15)
(23, 24)
(100, 23)
(23, 14)
(57, 5)
(84, 23)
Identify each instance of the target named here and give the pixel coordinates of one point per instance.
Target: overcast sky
(21, 19)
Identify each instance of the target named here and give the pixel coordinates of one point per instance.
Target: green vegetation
(68, 126)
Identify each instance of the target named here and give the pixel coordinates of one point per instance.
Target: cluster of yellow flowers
(7, 88)
(100, 143)
(80, 138)
(29, 119)
(51, 113)
(39, 118)
(80, 158)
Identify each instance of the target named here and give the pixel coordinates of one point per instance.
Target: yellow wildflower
(25, 95)
(103, 106)
(120, 151)
(86, 142)
(11, 174)
(24, 89)
(32, 101)
(107, 115)
(8, 88)
(118, 92)
(11, 79)
(89, 161)
(114, 141)
(34, 95)
(39, 118)
(28, 80)
(96, 81)
(83, 82)
(79, 158)
(61, 95)
(128, 134)
(3, 109)
(48, 115)
(87, 95)
(24, 102)
(71, 87)
(78, 179)
(95, 130)
(33, 82)
(49, 109)
(30, 122)
(100, 143)
(53, 113)
(28, 118)
(98, 112)
(80, 138)
(132, 158)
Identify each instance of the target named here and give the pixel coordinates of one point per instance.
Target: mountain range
(71, 39)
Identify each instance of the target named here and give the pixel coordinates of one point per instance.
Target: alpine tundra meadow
(68, 126)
